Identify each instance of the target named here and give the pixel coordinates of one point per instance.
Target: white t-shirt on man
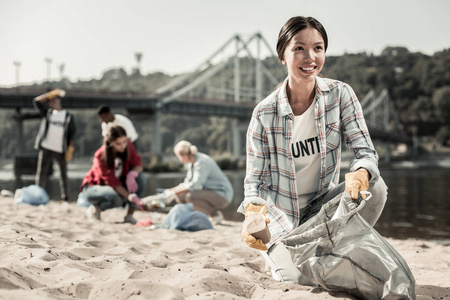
(125, 123)
(306, 153)
(54, 138)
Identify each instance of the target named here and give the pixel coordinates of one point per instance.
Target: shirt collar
(55, 112)
(322, 85)
(285, 107)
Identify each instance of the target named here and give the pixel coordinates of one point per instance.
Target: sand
(55, 252)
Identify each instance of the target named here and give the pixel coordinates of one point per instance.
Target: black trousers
(45, 161)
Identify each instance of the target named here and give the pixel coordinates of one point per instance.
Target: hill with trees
(418, 84)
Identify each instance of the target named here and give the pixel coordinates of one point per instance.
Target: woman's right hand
(249, 239)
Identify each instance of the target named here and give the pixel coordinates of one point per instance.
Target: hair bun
(193, 149)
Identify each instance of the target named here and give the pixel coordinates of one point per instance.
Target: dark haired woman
(115, 176)
(294, 146)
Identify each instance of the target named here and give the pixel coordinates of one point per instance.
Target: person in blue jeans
(115, 178)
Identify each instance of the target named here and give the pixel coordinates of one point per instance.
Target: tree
(441, 99)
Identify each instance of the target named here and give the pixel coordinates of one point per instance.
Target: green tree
(441, 99)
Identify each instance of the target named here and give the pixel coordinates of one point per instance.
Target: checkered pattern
(270, 176)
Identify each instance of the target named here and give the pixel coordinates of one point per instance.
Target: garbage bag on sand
(32, 194)
(82, 201)
(339, 251)
(183, 217)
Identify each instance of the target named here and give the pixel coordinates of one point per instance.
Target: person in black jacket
(55, 138)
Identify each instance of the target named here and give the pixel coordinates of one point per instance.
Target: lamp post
(61, 70)
(17, 66)
(138, 56)
(49, 62)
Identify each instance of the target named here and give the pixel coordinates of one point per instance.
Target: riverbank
(54, 252)
(417, 204)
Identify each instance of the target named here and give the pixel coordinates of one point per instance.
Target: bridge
(229, 83)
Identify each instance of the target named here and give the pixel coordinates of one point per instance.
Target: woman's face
(120, 144)
(304, 55)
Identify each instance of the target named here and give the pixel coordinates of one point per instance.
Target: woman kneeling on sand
(205, 185)
(115, 178)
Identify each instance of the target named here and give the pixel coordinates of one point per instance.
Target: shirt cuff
(369, 166)
(253, 200)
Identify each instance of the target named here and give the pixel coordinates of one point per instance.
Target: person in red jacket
(115, 177)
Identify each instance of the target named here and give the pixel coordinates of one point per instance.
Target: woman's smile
(308, 70)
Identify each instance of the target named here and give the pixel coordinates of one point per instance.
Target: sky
(89, 37)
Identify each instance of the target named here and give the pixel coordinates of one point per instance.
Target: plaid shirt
(270, 176)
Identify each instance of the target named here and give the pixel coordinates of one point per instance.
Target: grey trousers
(45, 160)
(279, 258)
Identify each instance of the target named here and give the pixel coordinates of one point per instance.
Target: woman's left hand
(132, 185)
(356, 182)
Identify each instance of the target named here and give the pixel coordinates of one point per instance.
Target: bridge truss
(234, 74)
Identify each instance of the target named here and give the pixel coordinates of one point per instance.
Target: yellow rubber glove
(56, 93)
(249, 239)
(50, 95)
(356, 182)
(69, 152)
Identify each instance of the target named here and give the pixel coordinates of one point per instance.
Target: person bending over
(115, 178)
(205, 185)
(109, 119)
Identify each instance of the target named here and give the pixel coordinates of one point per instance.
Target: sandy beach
(55, 252)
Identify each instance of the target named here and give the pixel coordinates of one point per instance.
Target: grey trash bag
(339, 251)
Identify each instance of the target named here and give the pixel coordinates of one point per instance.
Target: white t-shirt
(306, 153)
(54, 138)
(118, 167)
(125, 123)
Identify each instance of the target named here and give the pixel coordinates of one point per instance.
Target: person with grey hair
(205, 185)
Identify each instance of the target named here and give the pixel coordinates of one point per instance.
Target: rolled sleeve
(253, 200)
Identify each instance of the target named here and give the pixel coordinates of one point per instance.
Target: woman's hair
(114, 132)
(185, 148)
(293, 26)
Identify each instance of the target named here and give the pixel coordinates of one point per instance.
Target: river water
(418, 203)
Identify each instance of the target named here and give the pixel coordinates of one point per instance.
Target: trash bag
(82, 201)
(32, 194)
(339, 251)
(183, 217)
